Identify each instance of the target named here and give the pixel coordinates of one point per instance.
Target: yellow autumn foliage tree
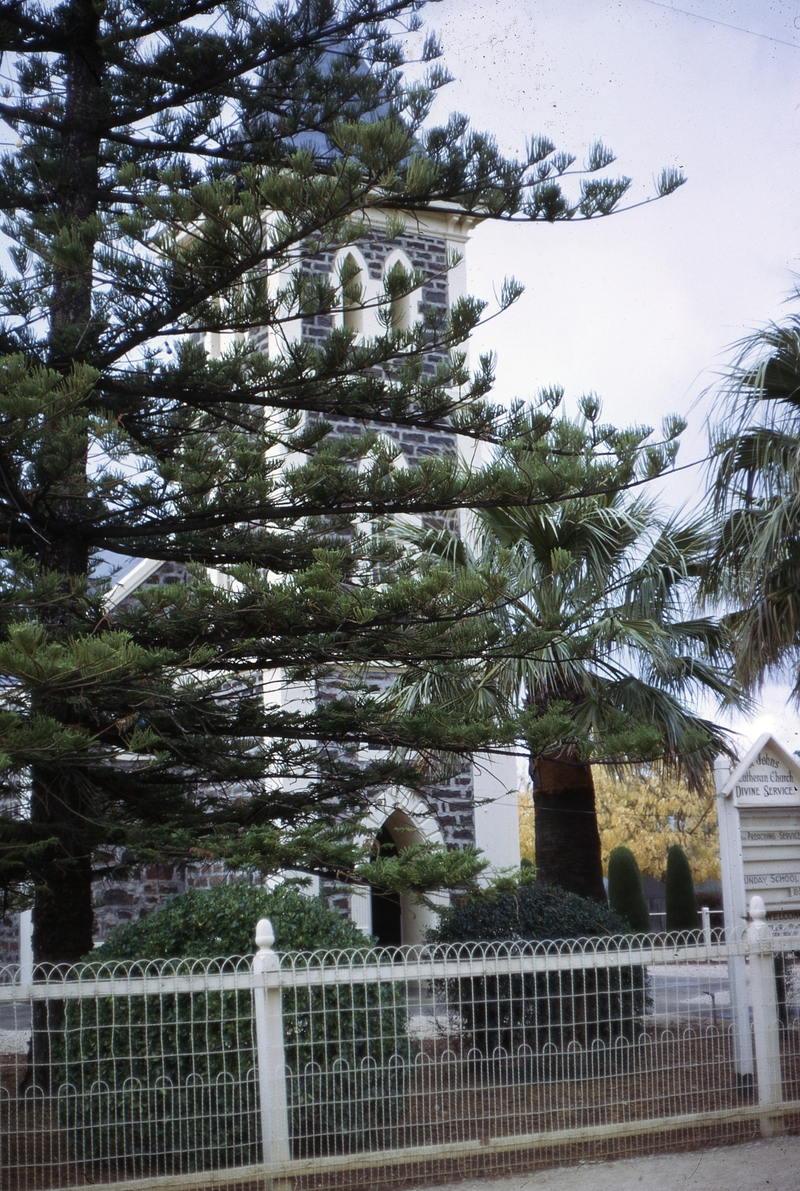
(527, 831)
(647, 812)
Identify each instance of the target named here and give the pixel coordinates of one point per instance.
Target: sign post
(734, 904)
(758, 807)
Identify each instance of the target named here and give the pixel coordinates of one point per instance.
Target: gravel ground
(14, 1042)
(772, 1165)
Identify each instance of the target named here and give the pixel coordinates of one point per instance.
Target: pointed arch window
(395, 460)
(389, 459)
(350, 282)
(398, 276)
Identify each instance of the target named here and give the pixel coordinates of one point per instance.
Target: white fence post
(26, 947)
(766, 1027)
(271, 1057)
(705, 918)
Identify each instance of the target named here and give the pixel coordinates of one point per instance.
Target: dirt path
(760, 1166)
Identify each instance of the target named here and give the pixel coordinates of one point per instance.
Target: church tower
(478, 805)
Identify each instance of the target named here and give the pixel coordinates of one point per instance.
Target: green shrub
(179, 1069)
(221, 921)
(544, 1011)
(625, 893)
(681, 897)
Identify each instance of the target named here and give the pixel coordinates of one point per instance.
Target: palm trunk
(568, 851)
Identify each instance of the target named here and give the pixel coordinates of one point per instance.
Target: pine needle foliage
(177, 165)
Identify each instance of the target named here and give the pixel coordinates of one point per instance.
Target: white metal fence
(360, 1069)
(712, 921)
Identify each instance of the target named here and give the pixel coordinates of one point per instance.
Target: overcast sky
(642, 307)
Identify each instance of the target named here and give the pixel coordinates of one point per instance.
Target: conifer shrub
(541, 1014)
(190, 1057)
(625, 893)
(681, 897)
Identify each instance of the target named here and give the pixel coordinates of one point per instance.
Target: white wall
(496, 814)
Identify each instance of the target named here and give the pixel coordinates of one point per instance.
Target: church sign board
(758, 806)
(759, 820)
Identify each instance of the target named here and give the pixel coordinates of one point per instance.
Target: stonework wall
(451, 802)
(429, 255)
(168, 572)
(425, 252)
(9, 939)
(120, 901)
(147, 887)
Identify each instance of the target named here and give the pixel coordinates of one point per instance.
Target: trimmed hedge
(541, 1012)
(179, 1068)
(625, 893)
(681, 897)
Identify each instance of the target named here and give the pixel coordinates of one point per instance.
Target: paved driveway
(690, 991)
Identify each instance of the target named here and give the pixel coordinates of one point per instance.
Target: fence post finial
(265, 935)
(758, 912)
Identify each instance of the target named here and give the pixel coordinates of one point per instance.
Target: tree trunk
(76, 185)
(568, 850)
(62, 932)
(62, 911)
(60, 798)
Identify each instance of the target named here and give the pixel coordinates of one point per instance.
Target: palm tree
(597, 649)
(755, 564)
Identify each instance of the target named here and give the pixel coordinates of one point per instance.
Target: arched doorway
(401, 920)
(386, 905)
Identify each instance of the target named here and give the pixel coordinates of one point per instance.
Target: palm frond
(599, 639)
(753, 569)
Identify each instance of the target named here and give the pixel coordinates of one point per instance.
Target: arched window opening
(390, 459)
(351, 282)
(223, 340)
(397, 279)
(408, 521)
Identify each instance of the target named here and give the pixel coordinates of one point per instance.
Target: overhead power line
(725, 24)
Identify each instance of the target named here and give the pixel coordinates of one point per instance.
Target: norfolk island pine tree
(176, 165)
